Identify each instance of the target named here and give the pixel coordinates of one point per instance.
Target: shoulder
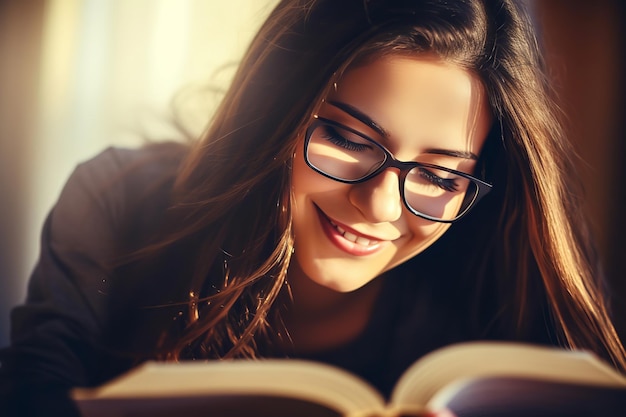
(125, 166)
(87, 228)
(105, 190)
(58, 334)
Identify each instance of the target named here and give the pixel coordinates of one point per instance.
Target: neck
(318, 317)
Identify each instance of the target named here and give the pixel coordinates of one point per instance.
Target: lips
(359, 240)
(348, 240)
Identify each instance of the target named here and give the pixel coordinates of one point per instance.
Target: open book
(471, 379)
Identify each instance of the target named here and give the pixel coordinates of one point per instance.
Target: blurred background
(77, 76)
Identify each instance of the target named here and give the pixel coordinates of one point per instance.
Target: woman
(381, 179)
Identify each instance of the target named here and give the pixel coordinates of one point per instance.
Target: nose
(378, 199)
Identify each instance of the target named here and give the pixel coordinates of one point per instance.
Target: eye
(447, 184)
(332, 135)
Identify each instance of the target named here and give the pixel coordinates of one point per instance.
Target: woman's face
(422, 110)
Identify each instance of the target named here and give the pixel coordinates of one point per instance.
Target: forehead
(429, 101)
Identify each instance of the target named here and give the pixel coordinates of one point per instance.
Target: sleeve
(55, 335)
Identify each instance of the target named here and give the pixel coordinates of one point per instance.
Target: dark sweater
(59, 334)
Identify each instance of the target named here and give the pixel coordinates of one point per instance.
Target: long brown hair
(228, 239)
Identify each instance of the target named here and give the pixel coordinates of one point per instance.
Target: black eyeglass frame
(390, 161)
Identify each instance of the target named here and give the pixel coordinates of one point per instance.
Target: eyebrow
(359, 115)
(364, 118)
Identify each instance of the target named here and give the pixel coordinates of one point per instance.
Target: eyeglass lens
(346, 156)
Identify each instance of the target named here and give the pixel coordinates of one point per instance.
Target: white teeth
(352, 237)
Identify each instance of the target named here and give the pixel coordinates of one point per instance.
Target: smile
(347, 240)
(360, 240)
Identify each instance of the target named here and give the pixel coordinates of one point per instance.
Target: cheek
(423, 233)
(305, 185)
(422, 229)
(306, 182)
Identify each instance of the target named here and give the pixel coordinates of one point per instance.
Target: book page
(202, 383)
(481, 359)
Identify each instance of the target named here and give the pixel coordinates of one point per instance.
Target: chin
(343, 285)
(339, 281)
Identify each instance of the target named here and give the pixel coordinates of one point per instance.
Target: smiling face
(422, 110)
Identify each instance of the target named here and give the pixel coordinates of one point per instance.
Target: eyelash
(336, 139)
(444, 184)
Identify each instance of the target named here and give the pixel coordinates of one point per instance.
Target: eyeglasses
(429, 191)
